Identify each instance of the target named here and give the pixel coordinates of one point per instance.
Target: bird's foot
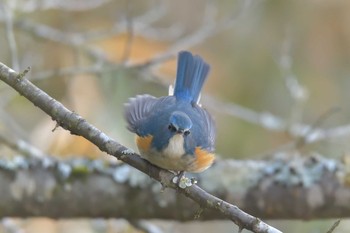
(128, 152)
(182, 181)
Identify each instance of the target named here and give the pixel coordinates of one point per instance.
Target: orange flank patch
(204, 159)
(144, 143)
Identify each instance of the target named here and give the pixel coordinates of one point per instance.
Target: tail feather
(192, 72)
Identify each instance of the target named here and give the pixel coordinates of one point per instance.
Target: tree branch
(95, 188)
(78, 126)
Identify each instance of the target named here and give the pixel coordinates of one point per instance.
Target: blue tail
(192, 71)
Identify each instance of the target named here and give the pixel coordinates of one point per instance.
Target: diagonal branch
(78, 126)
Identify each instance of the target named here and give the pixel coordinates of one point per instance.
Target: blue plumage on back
(192, 72)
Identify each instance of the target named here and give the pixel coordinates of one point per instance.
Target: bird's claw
(184, 182)
(128, 152)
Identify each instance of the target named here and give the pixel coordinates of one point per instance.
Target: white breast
(172, 157)
(175, 148)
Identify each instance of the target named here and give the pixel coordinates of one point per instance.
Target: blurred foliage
(246, 58)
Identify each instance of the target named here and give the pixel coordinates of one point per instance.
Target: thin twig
(8, 13)
(129, 32)
(77, 5)
(335, 225)
(146, 226)
(21, 146)
(297, 92)
(264, 119)
(73, 40)
(301, 141)
(204, 32)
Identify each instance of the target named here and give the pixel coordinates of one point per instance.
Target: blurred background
(279, 75)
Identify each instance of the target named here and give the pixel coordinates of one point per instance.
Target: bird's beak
(180, 131)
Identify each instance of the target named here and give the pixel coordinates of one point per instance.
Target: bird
(175, 132)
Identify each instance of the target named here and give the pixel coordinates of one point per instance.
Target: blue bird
(174, 132)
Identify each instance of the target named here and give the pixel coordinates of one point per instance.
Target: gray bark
(302, 188)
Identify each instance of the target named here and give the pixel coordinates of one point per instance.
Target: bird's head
(180, 123)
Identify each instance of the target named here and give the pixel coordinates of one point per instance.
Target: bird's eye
(187, 132)
(172, 128)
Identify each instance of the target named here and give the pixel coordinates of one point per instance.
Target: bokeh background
(279, 73)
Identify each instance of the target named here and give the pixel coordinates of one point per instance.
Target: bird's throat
(175, 148)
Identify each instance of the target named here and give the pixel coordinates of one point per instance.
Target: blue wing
(192, 72)
(206, 131)
(136, 112)
(145, 114)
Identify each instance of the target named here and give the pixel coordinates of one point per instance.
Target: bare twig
(141, 26)
(21, 146)
(264, 119)
(69, 71)
(309, 133)
(130, 34)
(138, 25)
(146, 226)
(301, 141)
(7, 10)
(72, 40)
(208, 29)
(77, 5)
(298, 93)
(335, 225)
(79, 126)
